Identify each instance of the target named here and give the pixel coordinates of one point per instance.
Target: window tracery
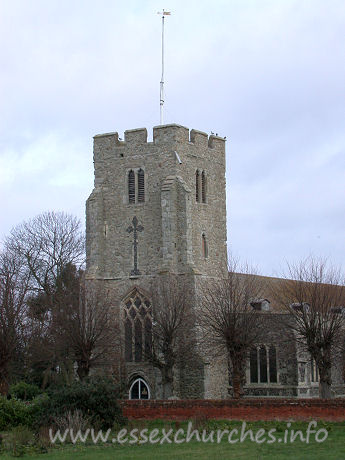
(138, 327)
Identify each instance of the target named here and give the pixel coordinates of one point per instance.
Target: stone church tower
(156, 207)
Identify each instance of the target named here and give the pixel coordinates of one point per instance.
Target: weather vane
(161, 97)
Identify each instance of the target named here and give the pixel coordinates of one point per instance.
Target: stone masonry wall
(173, 222)
(172, 219)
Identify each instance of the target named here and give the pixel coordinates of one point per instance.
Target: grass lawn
(331, 449)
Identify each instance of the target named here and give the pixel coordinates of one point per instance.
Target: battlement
(163, 134)
(136, 136)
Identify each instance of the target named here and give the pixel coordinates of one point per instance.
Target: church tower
(156, 207)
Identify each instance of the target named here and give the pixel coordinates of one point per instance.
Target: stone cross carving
(135, 228)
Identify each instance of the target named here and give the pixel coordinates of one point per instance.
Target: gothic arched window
(131, 187)
(204, 246)
(128, 340)
(138, 327)
(314, 372)
(254, 375)
(139, 390)
(272, 359)
(203, 187)
(197, 186)
(263, 364)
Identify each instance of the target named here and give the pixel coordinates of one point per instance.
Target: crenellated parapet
(163, 135)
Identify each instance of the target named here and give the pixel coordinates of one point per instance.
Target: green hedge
(95, 398)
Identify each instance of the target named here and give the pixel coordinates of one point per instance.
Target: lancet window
(138, 327)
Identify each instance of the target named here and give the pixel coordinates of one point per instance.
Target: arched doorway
(139, 389)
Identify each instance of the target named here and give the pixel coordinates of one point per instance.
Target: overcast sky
(268, 74)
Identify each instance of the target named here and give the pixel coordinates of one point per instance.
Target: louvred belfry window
(141, 186)
(203, 187)
(136, 186)
(197, 186)
(131, 187)
(138, 328)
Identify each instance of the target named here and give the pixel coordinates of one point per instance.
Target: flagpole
(161, 96)
(161, 102)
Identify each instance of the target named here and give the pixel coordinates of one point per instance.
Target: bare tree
(313, 293)
(229, 324)
(89, 324)
(78, 328)
(47, 243)
(173, 327)
(14, 282)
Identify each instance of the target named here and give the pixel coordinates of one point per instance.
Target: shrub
(95, 399)
(17, 440)
(37, 410)
(24, 391)
(13, 413)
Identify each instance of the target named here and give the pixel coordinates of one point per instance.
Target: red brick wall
(246, 409)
